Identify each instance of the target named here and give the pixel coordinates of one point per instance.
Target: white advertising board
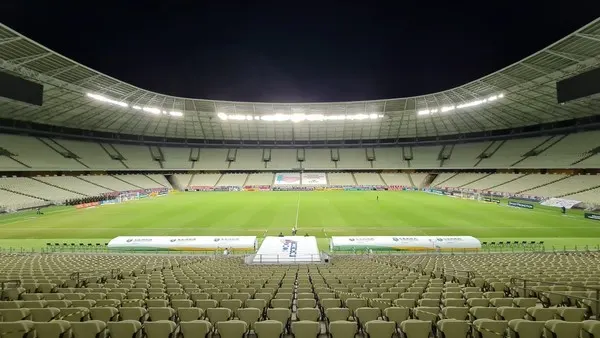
(404, 243)
(314, 179)
(183, 243)
(287, 179)
(560, 202)
(288, 249)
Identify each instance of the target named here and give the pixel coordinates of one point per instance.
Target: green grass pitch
(321, 214)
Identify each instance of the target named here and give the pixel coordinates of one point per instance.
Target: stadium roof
(522, 94)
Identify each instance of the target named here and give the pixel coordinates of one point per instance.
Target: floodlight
(236, 117)
(460, 106)
(299, 117)
(315, 117)
(154, 111)
(107, 100)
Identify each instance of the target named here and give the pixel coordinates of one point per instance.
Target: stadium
(467, 212)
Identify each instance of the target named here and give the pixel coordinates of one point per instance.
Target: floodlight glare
(237, 117)
(107, 100)
(151, 110)
(299, 117)
(315, 117)
(154, 111)
(474, 103)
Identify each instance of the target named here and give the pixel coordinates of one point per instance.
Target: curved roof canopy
(522, 94)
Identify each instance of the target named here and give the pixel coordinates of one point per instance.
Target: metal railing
(487, 249)
(282, 259)
(102, 249)
(514, 283)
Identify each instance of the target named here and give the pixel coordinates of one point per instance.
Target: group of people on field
(294, 232)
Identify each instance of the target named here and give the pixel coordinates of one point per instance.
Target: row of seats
(380, 296)
(266, 179)
(544, 185)
(28, 192)
(376, 328)
(561, 151)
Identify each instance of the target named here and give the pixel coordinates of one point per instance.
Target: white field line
(297, 212)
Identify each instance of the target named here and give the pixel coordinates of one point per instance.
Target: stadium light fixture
(446, 109)
(151, 110)
(107, 100)
(298, 117)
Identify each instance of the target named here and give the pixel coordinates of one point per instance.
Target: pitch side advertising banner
(595, 217)
(183, 243)
(228, 188)
(201, 188)
(491, 200)
(520, 205)
(294, 188)
(404, 243)
(107, 202)
(87, 205)
(435, 191)
(560, 202)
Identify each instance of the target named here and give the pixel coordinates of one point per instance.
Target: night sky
(296, 51)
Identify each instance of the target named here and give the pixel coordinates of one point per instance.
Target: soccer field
(321, 214)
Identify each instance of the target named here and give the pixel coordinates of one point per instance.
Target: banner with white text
(314, 179)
